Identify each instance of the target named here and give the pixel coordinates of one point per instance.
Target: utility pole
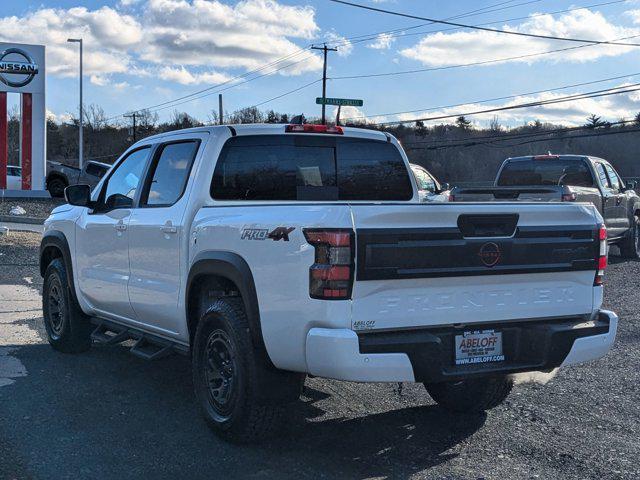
(132, 116)
(220, 114)
(324, 49)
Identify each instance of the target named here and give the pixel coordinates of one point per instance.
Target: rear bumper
(427, 355)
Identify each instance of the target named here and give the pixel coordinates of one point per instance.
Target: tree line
(454, 152)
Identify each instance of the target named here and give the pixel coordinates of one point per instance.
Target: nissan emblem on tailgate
(489, 254)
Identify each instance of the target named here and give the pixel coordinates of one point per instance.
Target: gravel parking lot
(107, 414)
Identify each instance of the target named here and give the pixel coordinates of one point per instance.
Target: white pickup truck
(268, 252)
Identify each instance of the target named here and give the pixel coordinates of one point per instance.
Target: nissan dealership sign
(22, 77)
(14, 73)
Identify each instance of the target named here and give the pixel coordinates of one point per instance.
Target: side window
(95, 170)
(120, 188)
(604, 181)
(424, 181)
(613, 177)
(169, 173)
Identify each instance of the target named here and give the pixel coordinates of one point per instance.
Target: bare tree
(494, 125)
(94, 117)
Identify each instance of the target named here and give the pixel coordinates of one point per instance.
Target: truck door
(617, 203)
(621, 208)
(102, 239)
(158, 238)
(608, 199)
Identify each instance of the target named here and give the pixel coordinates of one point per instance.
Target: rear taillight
(331, 275)
(601, 258)
(308, 128)
(569, 197)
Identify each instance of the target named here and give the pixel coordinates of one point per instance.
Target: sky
(148, 53)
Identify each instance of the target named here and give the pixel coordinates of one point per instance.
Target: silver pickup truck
(60, 176)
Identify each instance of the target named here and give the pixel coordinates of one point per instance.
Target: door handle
(120, 227)
(168, 228)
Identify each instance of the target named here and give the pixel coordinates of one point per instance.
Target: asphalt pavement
(109, 415)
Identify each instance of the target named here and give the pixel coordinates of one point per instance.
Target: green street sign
(345, 102)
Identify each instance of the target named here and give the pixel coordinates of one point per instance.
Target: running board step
(147, 346)
(109, 335)
(151, 351)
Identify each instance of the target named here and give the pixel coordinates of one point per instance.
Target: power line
(288, 93)
(464, 65)
(581, 96)
(564, 87)
(232, 86)
(479, 11)
(400, 31)
(226, 82)
(486, 29)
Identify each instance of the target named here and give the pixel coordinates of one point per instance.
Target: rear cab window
(614, 180)
(305, 168)
(555, 171)
(602, 175)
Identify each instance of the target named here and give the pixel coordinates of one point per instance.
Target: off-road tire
(243, 417)
(630, 246)
(471, 396)
(56, 187)
(68, 328)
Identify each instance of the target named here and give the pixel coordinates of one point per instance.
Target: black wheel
(68, 328)
(226, 375)
(469, 396)
(56, 187)
(630, 246)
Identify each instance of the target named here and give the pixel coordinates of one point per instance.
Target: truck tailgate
(438, 264)
(508, 194)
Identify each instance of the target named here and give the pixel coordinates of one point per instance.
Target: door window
(121, 186)
(613, 177)
(96, 170)
(602, 175)
(169, 173)
(424, 180)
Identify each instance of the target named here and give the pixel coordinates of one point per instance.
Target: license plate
(480, 346)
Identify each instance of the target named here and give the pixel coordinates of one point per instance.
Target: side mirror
(631, 184)
(444, 187)
(78, 195)
(118, 200)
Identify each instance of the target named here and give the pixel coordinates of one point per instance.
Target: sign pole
(4, 139)
(324, 49)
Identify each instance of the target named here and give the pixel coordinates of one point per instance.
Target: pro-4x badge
(278, 233)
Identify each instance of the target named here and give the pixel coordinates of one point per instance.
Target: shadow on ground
(106, 414)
